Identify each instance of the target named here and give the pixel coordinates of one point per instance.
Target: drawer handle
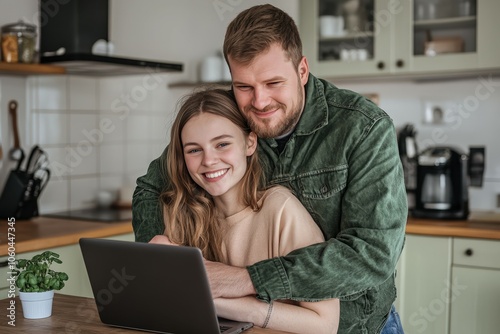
(4, 264)
(469, 252)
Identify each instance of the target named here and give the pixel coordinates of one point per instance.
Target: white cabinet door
(324, 54)
(424, 285)
(476, 309)
(476, 278)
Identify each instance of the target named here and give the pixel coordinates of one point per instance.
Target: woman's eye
(193, 150)
(223, 144)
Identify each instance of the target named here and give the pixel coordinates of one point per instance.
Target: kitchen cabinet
(73, 264)
(424, 277)
(392, 35)
(449, 285)
(476, 279)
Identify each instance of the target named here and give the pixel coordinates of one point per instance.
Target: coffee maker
(442, 184)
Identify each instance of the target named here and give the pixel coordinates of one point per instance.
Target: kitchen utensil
(16, 153)
(37, 160)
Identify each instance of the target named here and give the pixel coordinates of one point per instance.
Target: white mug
(211, 69)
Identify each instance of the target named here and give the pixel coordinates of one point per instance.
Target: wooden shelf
(446, 23)
(30, 69)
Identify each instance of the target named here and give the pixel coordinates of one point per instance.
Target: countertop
(70, 314)
(477, 226)
(44, 232)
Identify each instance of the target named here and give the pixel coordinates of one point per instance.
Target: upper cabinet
(357, 38)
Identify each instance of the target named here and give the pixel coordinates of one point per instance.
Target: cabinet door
(476, 304)
(444, 37)
(488, 28)
(354, 50)
(424, 284)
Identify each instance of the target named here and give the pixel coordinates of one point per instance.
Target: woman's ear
(251, 143)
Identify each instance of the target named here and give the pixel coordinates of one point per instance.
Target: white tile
(52, 92)
(111, 159)
(159, 128)
(84, 128)
(53, 128)
(55, 197)
(59, 167)
(137, 128)
(83, 192)
(137, 158)
(82, 93)
(138, 93)
(82, 159)
(113, 127)
(111, 95)
(111, 183)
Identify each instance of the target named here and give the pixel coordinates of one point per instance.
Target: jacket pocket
(323, 183)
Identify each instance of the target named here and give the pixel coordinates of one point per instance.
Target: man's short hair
(254, 30)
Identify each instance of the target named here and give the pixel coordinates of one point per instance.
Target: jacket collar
(315, 113)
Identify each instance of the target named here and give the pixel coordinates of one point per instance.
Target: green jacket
(342, 163)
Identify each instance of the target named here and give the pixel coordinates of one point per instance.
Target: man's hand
(228, 282)
(225, 281)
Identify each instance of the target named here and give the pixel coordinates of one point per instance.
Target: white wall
(63, 113)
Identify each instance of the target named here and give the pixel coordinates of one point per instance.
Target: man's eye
(243, 87)
(275, 83)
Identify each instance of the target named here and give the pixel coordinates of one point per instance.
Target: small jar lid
(19, 27)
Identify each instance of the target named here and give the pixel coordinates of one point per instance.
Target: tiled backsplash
(99, 133)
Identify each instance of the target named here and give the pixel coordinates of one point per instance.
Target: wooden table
(71, 314)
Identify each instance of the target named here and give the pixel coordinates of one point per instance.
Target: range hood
(68, 36)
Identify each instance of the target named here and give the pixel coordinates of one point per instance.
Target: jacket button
(324, 189)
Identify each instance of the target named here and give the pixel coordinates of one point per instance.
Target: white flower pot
(37, 305)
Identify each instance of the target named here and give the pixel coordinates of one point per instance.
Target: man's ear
(303, 70)
(251, 143)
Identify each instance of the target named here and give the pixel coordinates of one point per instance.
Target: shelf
(447, 23)
(347, 37)
(30, 69)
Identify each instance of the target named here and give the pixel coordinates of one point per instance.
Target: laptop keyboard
(223, 328)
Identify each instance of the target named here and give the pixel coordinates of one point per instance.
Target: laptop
(151, 287)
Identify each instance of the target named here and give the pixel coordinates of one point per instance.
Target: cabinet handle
(400, 63)
(380, 65)
(469, 252)
(4, 264)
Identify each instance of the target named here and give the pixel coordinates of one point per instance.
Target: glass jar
(18, 42)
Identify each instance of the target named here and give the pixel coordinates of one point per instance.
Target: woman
(216, 203)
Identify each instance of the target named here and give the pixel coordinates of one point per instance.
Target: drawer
(476, 253)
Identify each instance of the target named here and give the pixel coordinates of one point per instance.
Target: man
(337, 151)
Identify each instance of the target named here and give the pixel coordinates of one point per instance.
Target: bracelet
(269, 311)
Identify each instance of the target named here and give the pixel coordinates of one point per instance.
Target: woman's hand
(162, 240)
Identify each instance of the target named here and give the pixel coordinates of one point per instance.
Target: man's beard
(285, 126)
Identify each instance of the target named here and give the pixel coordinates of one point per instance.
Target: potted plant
(37, 282)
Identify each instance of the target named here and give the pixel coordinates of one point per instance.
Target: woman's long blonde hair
(190, 215)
